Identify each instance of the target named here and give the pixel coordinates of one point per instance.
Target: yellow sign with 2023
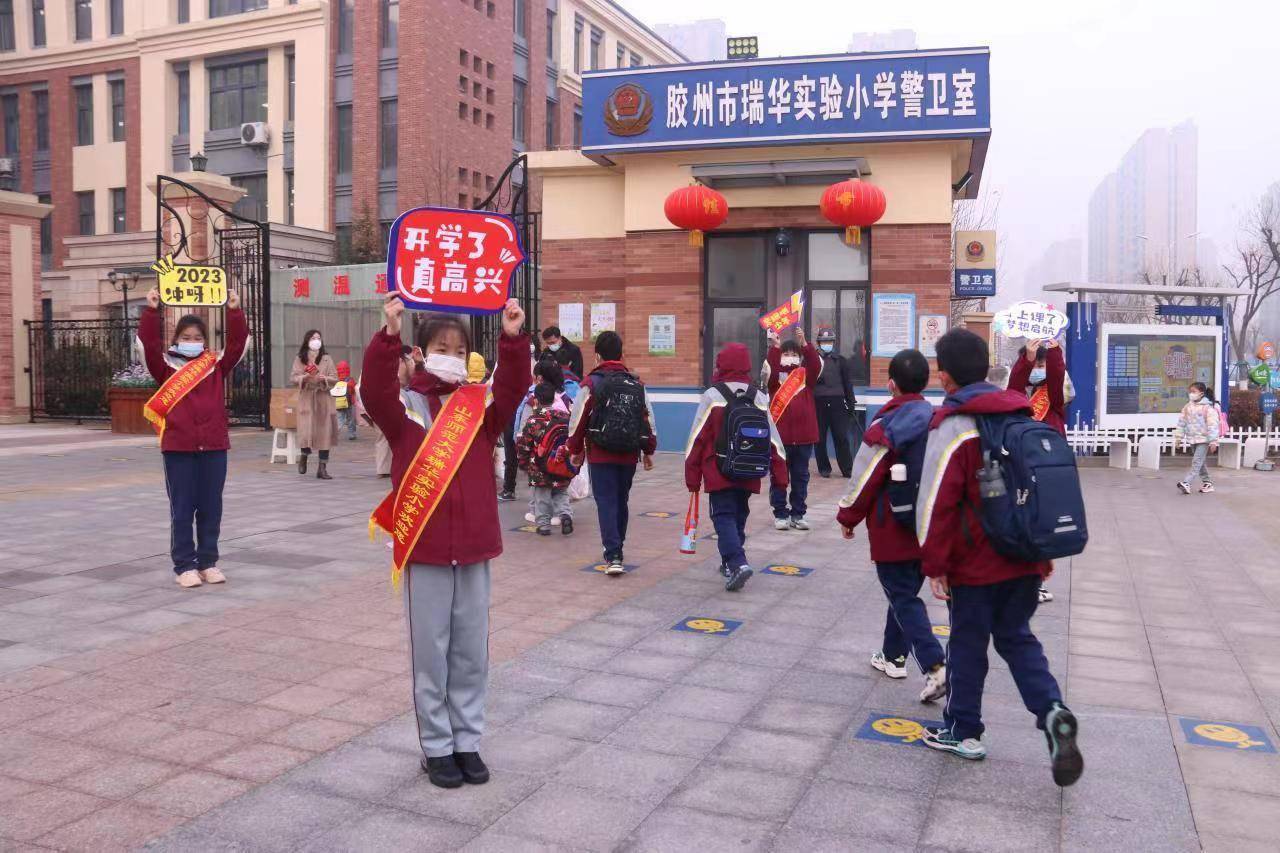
(190, 285)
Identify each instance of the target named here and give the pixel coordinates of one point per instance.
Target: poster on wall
(604, 317)
(932, 327)
(1147, 368)
(893, 323)
(662, 334)
(570, 320)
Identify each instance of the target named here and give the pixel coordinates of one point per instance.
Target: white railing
(1097, 441)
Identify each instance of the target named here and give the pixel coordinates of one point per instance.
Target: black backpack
(743, 449)
(902, 494)
(619, 417)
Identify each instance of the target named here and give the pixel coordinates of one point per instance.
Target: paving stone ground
(274, 713)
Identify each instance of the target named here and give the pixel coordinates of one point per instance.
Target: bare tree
(1256, 269)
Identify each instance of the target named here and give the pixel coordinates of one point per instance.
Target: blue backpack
(1031, 506)
(902, 494)
(743, 449)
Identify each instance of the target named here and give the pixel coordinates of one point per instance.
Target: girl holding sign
(442, 515)
(190, 413)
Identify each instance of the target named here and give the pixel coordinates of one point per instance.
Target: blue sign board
(919, 94)
(1269, 402)
(970, 283)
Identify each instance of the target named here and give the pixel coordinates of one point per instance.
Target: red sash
(786, 393)
(404, 512)
(176, 387)
(1040, 403)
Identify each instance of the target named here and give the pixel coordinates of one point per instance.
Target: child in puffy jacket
(1199, 428)
(550, 492)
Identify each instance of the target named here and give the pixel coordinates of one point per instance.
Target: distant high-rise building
(1207, 259)
(1062, 261)
(874, 42)
(1142, 217)
(701, 41)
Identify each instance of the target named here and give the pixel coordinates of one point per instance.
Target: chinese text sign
(441, 259)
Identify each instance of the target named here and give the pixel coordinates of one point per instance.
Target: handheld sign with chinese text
(1030, 319)
(786, 314)
(190, 285)
(442, 259)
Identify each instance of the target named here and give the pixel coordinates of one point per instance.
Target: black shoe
(566, 525)
(738, 579)
(322, 472)
(472, 768)
(443, 772)
(724, 570)
(302, 463)
(1060, 730)
(826, 475)
(544, 529)
(506, 496)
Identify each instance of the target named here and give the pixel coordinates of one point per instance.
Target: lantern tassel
(695, 238)
(851, 236)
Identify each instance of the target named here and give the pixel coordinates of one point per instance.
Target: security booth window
(736, 276)
(838, 289)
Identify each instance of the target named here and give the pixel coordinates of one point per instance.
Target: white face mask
(314, 345)
(553, 347)
(447, 368)
(790, 361)
(189, 349)
(1194, 397)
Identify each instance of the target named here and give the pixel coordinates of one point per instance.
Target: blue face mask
(189, 349)
(1037, 375)
(827, 349)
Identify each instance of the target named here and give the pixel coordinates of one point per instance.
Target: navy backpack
(743, 449)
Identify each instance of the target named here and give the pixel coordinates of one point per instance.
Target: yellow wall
(23, 295)
(100, 167)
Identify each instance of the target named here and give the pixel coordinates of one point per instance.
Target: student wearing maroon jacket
(446, 580)
(991, 597)
(797, 425)
(195, 441)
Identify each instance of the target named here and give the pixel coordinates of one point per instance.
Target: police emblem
(628, 110)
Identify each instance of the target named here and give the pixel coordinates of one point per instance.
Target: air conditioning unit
(255, 133)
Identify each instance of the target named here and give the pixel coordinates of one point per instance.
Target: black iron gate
(71, 365)
(242, 247)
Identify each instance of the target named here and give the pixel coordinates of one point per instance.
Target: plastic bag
(580, 485)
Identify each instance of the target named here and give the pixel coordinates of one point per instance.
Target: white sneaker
(1045, 595)
(935, 685)
(800, 523)
(190, 579)
(528, 516)
(555, 521)
(781, 524)
(212, 575)
(615, 568)
(892, 668)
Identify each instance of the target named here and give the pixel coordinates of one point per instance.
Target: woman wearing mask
(193, 431)
(315, 374)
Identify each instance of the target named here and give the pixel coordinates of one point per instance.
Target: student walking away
(545, 372)
(733, 444)
(544, 458)
(999, 499)
(612, 428)
(562, 351)
(445, 519)
(836, 405)
(1200, 425)
(882, 492)
(343, 395)
(315, 374)
(794, 370)
(193, 430)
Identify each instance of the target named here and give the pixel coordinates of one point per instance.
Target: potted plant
(130, 388)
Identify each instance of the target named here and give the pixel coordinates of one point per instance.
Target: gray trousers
(448, 613)
(1199, 453)
(550, 503)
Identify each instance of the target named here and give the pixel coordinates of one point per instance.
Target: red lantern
(854, 204)
(696, 208)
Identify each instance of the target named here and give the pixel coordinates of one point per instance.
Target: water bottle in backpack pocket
(743, 449)
(904, 482)
(1031, 506)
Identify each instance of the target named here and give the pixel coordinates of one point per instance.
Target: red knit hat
(733, 364)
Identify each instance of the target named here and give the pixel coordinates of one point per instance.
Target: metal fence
(72, 362)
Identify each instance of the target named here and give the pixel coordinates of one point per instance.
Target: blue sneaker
(1060, 730)
(942, 739)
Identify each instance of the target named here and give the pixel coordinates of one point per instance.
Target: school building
(769, 135)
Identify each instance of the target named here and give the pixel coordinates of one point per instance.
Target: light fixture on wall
(198, 162)
(782, 242)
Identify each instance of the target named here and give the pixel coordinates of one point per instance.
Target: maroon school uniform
(584, 404)
(799, 421)
(1054, 385)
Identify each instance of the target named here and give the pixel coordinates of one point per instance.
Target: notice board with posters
(1145, 370)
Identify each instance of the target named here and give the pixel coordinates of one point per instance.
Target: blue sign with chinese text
(789, 101)
(971, 283)
(1268, 402)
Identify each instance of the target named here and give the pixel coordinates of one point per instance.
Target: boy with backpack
(542, 454)
(794, 370)
(882, 491)
(732, 446)
(612, 427)
(999, 499)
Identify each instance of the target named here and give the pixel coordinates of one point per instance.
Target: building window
(84, 19)
(636, 61)
(219, 8)
(253, 205)
(551, 34)
(9, 106)
(8, 38)
(390, 24)
(42, 119)
(488, 121)
(519, 110)
(184, 11)
(521, 18)
(577, 45)
(84, 210)
(38, 38)
(344, 139)
(117, 211)
(388, 134)
(838, 286)
(117, 110)
(288, 195)
(622, 55)
(597, 46)
(346, 23)
(291, 63)
(237, 94)
(46, 234)
(117, 17)
(84, 113)
(184, 101)
(577, 128)
(551, 125)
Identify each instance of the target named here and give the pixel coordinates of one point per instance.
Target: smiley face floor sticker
(891, 728)
(1237, 736)
(658, 514)
(788, 571)
(525, 528)
(600, 567)
(943, 631)
(707, 625)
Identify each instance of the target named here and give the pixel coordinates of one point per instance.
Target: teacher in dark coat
(566, 353)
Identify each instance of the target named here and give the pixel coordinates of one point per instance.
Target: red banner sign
(786, 314)
(441, 259)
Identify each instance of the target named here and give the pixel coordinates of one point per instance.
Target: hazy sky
(1073, 86)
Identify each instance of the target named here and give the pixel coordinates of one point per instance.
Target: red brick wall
(911, 259)
(365, 107)
(8, 343)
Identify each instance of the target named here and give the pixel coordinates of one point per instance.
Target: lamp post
(124, 281)
(1172, 256)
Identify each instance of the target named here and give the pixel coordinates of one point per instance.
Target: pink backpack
(1223, 426)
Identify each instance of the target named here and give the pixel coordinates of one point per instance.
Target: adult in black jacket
(566, 353)
(836, 404)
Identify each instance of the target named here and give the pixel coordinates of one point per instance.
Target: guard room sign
(975, 273)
